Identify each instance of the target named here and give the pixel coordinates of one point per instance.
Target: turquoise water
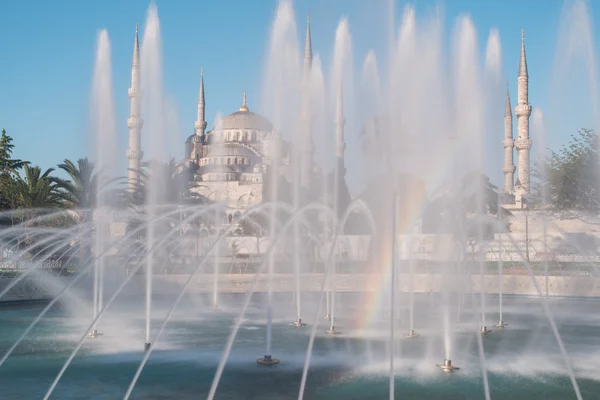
(523, 361)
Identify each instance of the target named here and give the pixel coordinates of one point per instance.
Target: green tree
(81, 190)
(568, 181)
(8, 168)
(8, 165)
(173, 182)
(35, 189)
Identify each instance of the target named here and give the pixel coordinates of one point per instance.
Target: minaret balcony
(509, 170)
(523, 144)
(508, 143)
(133, 92)
(134, 122)
(134, 154)
(200, 125)
(523, 110)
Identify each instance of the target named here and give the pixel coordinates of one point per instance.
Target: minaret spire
(523, 58)
(201, 120)
(523, 111)
(339, 130)
(306, 144)
(307, 49)
(508, 144)
(134, 122)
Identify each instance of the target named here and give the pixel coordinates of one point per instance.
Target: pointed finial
(308, 45)
(244, 107)
(136, 48)
(201, 94)
(507, 107)
(523, 58)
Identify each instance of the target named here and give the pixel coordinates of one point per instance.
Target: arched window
(228, 161)
(254, 136)
(239, 136)
(235, 161)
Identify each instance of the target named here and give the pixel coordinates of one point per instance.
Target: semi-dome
(245, 119)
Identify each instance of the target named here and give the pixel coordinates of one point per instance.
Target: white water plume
(282, 79)
(494, 116)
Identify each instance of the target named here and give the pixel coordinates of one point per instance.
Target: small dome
(245, 119)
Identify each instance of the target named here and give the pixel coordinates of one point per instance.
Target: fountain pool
(521, 361)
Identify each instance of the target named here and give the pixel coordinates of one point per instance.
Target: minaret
(306, 150)
(200, 120)
(508, 143)
(523, 111)
(134, 122)
(339, 132)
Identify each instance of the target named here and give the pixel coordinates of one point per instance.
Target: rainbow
(378, 283)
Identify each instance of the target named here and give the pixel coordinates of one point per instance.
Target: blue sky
(47, 51)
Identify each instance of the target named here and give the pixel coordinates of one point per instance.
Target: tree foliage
(168, 182)
(568, 180)
(80, 191)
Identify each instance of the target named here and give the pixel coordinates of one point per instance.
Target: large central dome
(245, 119)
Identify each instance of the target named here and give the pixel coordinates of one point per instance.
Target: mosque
(232, 160)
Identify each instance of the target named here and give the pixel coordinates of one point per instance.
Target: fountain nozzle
(94, 334)
(267, 360)
(484, 330)
(147, 346)
(298, 323)
(332, 331)
(411, 334)
(447, 366)
(501, 324)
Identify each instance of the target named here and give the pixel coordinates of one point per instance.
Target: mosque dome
(245, 119)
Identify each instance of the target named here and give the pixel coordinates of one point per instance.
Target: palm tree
(81, 190)
(36, 189)
(174, 180)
